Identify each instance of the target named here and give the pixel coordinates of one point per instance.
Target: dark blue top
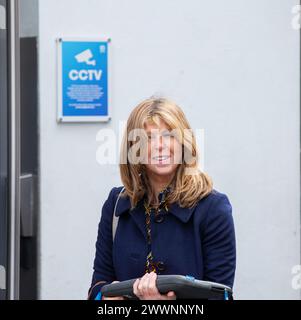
(199, 242)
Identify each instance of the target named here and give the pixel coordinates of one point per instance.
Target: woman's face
(164, 150)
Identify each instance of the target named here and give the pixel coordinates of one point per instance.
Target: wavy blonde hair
(186, 189)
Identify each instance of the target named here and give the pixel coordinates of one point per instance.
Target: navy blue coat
(199, 242)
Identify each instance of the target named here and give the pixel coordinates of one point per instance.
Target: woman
(171, 220)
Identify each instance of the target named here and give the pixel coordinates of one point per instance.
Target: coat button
(159, 218)
(161, 266)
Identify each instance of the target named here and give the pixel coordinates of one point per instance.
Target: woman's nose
(160, 143)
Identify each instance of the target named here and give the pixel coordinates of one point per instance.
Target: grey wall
(234, 68)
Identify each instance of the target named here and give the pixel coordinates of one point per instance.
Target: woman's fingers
(171, 295)
(145, 288)
(153, 290)
(143, 285)
(135, 288)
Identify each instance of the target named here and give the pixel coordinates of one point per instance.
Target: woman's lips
(161, 160)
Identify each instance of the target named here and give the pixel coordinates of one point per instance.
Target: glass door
(9, 150)
(18, 156)
(3, 150)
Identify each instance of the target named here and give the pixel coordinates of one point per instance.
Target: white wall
(234, 68)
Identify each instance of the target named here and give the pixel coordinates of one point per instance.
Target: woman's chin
(163, 169)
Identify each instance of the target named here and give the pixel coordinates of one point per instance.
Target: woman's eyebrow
(156, 130)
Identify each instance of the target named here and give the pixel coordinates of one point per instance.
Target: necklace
(150, 264)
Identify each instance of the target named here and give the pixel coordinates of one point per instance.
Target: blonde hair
(186, 189)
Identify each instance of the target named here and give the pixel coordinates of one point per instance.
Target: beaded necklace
(150, 264)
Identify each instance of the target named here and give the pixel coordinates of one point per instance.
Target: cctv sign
(83, 94)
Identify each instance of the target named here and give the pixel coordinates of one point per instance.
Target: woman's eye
(163, 135)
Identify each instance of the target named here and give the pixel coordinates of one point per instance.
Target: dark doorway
(29, 168)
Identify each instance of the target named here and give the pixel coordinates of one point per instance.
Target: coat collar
(124, 205)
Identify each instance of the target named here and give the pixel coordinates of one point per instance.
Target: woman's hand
(113, 298)
(146, 289)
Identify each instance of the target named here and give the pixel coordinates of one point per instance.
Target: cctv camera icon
(85, 57)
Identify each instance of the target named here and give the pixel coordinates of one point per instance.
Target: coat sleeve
(103, 262)
(219, 247)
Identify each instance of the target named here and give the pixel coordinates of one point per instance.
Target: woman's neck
(158, 183)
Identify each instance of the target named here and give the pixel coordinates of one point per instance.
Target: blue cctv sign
(83, 94)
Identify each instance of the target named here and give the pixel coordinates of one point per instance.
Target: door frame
(14, 162)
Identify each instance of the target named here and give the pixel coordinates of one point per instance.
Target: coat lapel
(137, 213)
(183, 214)
(124, 205)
